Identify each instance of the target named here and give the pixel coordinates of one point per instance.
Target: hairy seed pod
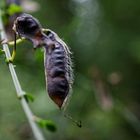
(58, 67)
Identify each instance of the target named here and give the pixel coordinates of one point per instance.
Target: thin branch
(20, 93)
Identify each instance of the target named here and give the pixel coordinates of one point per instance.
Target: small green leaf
(1, 51)
(48, 124)
(13, 8)
(29, 97)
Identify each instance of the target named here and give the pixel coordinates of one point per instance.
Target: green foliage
(13, 8)
(29, 97)
(1, 52)
(48, 124)
(9, 11)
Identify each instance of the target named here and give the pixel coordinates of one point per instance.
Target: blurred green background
(104, 36)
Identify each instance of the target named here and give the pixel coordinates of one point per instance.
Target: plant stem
(20, 93)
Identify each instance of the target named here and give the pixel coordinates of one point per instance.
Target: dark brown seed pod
(29, 27)
(58, 66)
(58, 69)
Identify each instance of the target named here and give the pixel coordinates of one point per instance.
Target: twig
(20, 93)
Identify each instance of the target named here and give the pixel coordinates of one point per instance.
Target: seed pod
(58, 71)
(29, 27)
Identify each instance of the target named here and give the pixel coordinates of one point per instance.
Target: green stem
(36, 131)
